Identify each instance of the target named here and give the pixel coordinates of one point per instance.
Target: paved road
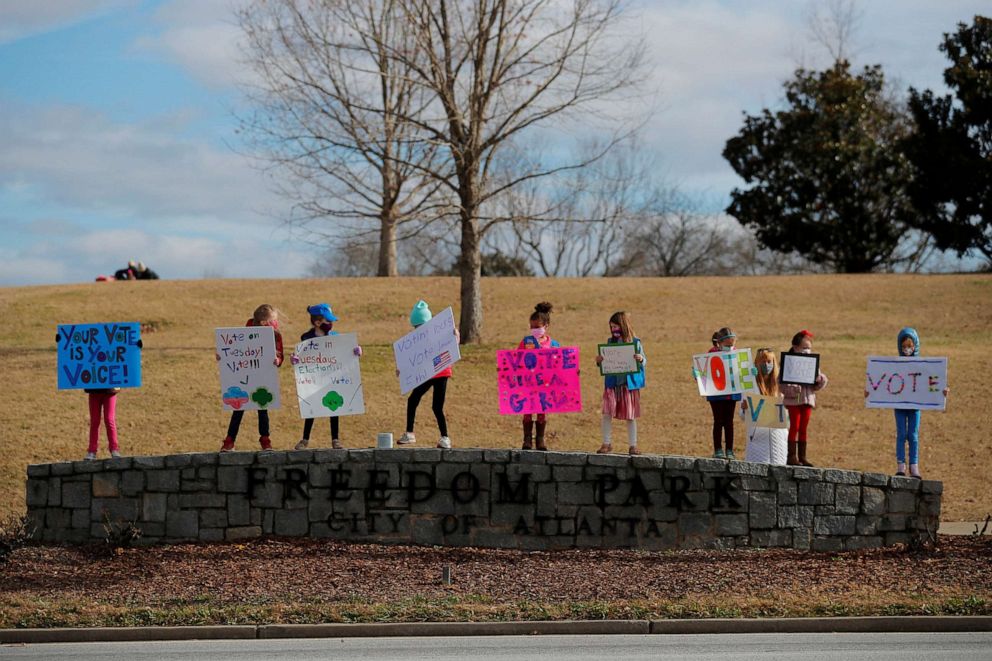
(738, 647)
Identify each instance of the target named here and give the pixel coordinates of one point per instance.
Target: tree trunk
(470, 271)
(387, 245)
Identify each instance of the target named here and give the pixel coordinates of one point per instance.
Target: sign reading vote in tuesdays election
(538, 381)
(99, 355)
(899, 382)
(766, 411)
(328, 378)
(724, 372)
(249, 379)
(426, 350)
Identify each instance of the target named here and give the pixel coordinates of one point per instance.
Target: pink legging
(798, 422)
(107, 402)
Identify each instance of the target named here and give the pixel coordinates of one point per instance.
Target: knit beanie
(421, 314)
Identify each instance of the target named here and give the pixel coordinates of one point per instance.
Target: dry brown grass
(177, 408)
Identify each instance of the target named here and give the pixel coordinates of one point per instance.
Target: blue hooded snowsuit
(908, 420)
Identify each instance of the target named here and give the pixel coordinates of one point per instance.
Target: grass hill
(178, 408)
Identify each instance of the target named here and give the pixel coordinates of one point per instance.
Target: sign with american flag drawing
(426, 350)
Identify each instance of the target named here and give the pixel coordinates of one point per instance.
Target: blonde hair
(621, 319)
(767, 383)
(265, 313)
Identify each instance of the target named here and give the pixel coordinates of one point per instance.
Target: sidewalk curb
(909, 624)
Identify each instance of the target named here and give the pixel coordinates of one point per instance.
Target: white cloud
(78, 157)
(203, 37)
(25, 18)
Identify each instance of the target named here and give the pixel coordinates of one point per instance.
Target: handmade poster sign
(426, 350)
(906, 383)
(800, 368)
(724, 372)
(249, 378)
(328, 378)
(99, 355)
(618, 358)
(766, 411)
(538, 381)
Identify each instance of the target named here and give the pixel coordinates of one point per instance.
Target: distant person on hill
(537, 338)
(142, 272)
(622, 392)
(419, 316)
(265, 315)
(129, 272)
(322, 323)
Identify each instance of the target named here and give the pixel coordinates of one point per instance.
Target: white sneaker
(444, 443)
(115, 454)
(406, 439)
(302, 445)
(90, 456)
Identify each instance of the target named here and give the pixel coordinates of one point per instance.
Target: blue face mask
(766, 368)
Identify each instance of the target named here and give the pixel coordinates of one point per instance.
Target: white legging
(607, 426)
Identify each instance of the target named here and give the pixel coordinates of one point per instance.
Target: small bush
(118, 535)
(14, 533)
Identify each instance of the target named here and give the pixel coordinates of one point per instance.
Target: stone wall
(493, 498)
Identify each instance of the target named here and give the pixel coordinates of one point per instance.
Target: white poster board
(766, 411)
(249, 378)
(896, 382)
(618, 358)
(328, 377)
(800, 368)
(724, 372)
(426, 350)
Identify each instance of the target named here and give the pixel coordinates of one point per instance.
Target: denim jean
(908, 429)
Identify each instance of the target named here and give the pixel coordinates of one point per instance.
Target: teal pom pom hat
(421, 314)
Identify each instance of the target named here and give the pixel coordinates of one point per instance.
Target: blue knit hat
(911, 334)
(421, 314)
(322, 310)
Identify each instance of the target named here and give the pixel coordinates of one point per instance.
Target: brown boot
(540, 436)
(802, 454)
(792, 459)
(528, 434)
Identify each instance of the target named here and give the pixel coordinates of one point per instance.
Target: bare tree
(497, 70)
(332, 110)
(833, 25)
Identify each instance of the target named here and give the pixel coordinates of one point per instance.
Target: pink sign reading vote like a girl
(538, 381)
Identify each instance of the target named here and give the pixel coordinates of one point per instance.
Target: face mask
(766, 368)
(326, 328)
(726, 348)
(806, 351)
(537, 332)
(907, 351)
(616, 333)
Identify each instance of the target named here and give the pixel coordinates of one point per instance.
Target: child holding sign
(622, 392)
(765, 444)
(419, 316)
(723, 406)
(800, 400)
(265, 315)
(537, 338)
(908, 420)
(321, 324)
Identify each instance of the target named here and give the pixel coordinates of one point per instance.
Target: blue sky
(118, 128)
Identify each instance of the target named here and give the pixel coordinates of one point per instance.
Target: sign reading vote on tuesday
(538, 381)
(249, 378)
(724, 372)
(898, 382)
(99, 355)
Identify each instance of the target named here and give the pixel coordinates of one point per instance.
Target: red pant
(798, 422)
(108, 403)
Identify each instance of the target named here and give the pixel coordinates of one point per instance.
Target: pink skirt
(621, 403)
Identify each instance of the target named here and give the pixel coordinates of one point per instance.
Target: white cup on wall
(384, 440)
